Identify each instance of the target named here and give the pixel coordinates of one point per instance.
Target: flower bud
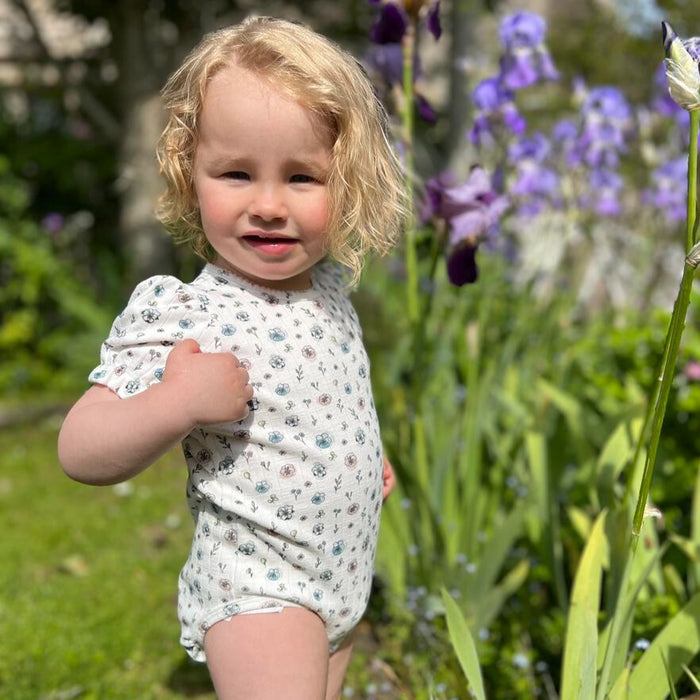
(681, 70)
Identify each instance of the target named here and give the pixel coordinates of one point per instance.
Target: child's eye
(302, 178)
(236, 175)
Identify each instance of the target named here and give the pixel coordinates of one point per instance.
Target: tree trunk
(147, 247)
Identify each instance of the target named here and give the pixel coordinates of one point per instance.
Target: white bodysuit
(286, 503)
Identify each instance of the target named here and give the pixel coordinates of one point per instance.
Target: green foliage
(48, 317)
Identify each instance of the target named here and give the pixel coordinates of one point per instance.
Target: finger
(188, 346)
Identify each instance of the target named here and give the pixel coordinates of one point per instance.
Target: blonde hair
(367, 198)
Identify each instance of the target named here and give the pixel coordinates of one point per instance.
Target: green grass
(88, 580)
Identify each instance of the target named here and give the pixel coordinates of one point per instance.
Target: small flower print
(361, 404)
(203, 456)
(308, 352)
(228, 330)
(232, 609)
(362, 371)
(285, 512)
(325, 399)
(352, 566)
(159, 290)
(318, 529)
(243, 316)
(287, 471)
(318, 470)
(316, 332)
(345, 612)
(292, 421)
(271, 299)
(273, 574)
(231, 536)
(241, 434)
(351, 461)
(150, 315)
(324, 441)
(254, 404)
(262, 486)
(226, 466)
(347, 388)
(158, 374)
(133, 386)
(345, 348)
(326, 575)
(282, 389)
(338, 548)
(277, 335)
(360, 436)
(183, 297)
(247, 548)
(185, 323)
(318, 498)
(318, 594)
(353, 508)
(277, 362)
(275, 437)
(225, 584)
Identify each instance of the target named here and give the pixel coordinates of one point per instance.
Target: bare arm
(105, 439)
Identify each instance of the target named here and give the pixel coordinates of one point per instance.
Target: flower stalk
(659, 400)
(408, 48)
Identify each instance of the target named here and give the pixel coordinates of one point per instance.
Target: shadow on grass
(190, 678)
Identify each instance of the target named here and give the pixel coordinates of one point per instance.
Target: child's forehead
(244, 84)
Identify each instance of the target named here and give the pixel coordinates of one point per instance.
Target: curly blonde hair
(367, 197)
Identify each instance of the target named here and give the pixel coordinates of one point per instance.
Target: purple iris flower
(392, 23)
(387, 61)
(607, 119)
(495, 108)
(536, 183)
(605, 186)
(390, 26)
(670, 189)
(472, 211)
(526, 60)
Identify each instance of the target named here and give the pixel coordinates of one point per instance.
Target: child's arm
(105, 439)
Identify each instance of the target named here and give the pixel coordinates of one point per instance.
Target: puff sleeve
(161, 312)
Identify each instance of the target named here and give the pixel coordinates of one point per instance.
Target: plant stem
(408, 47)
(657, 406)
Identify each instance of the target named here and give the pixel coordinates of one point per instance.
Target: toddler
(280, 175)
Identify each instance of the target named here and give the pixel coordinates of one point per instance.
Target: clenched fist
(212, 386)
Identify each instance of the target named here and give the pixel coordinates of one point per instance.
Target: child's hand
(213, 387)
(389, 479)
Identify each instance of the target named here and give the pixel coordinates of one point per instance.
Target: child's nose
(268, 203)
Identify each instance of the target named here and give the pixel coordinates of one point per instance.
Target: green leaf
(581, 644)
(464, 646)
(678, 642)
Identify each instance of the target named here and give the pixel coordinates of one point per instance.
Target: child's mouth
(270, 245)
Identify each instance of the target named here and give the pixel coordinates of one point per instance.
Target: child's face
(260, 173)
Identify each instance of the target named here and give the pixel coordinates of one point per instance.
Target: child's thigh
(268, 656)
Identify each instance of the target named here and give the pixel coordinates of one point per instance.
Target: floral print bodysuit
(286, 502)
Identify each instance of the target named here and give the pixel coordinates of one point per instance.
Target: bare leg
(269, 656)
(337, 667)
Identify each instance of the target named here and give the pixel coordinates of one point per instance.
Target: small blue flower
(273, 574)
(150, 315)
(275, 437)
(277, 335)
(318, 470)
(285, 512)
(318, 498)
(282, 389)
(277, 362)
(338, 548)
(247, 548)
(133, 386)
(324, 441)
(227, 329)
(262, 487)
(185, 323)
